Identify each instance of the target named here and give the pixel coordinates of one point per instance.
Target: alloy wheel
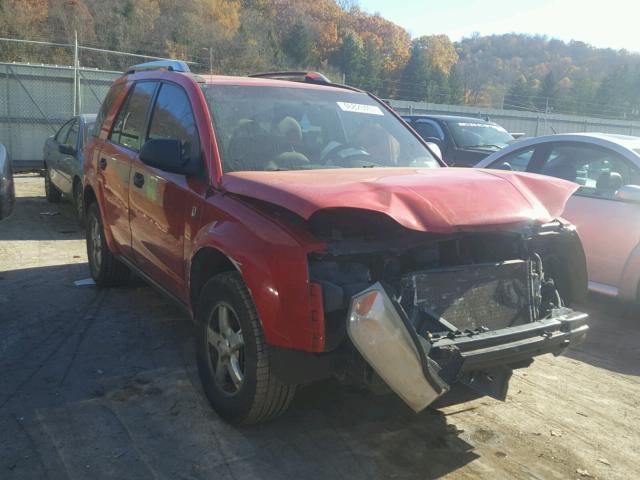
(226, 348)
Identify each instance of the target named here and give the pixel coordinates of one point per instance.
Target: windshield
(280, 128)
(479, 134)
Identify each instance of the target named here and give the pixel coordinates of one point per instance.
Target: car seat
(562, 168)
(288, 137)
(608, 183)
(249, 148)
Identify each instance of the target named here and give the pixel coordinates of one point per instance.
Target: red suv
(310, 233)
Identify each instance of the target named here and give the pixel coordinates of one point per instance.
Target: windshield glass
(280, 128)
(479, 134)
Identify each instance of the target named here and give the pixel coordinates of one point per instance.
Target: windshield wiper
(484, 145)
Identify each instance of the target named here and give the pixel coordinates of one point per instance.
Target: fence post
(9, 129)
(537, 126)
(76, 79)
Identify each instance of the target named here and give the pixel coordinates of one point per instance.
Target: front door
(115, 157)
(609, 228)
(162, 205)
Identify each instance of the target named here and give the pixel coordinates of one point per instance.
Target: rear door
(161, 203)
(53, 155)
(115, 157)
(66, 161)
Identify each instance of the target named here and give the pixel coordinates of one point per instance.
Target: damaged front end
(426, 311)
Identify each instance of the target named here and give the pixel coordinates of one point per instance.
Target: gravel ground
(103, 384)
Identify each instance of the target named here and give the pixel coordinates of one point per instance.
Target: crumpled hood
(439, 200)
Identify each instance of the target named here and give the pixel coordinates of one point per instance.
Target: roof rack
(169, 65)
(307, 77)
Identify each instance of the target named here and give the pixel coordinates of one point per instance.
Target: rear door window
(129, 126)
(115, 90)
(72, 138)
(62, 134)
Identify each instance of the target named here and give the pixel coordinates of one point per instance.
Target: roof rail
(307, 77)
(170, 65)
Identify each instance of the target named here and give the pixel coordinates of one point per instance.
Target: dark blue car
(63, 158)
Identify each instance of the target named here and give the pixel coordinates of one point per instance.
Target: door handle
(103, 163)
(138, 179)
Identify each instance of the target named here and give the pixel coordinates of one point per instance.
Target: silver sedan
(606, 208)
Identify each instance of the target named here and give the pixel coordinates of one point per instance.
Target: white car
(606, 208)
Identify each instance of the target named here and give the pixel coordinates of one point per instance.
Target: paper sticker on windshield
(360, 108)
(483, 125)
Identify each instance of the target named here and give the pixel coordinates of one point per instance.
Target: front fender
(273, 265)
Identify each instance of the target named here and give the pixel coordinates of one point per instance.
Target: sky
(605, 24)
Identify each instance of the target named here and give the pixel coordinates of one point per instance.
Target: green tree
(520, 95)
(425, 76)
(351, 57)
(547, 93)
(456, 88)
(416, 75)
(372, 67)
(298, 46)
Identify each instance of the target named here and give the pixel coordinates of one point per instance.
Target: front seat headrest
(290, 131)
(609, 182)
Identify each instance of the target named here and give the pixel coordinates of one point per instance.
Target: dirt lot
(102, 384)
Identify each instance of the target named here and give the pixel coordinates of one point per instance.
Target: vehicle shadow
(34, 218)
(87, 370)
(612, 339)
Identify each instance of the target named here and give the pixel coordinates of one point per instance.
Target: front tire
(233, 358)
(106, 269)
(52, 193)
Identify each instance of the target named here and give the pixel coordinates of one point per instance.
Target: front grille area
(469, 298)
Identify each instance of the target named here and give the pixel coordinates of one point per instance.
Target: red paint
(162, 229)
(433, 200)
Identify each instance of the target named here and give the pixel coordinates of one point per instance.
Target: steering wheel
(345, 155)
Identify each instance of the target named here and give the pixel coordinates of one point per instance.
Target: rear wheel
(233, 359)
(106, 269)
(53, 194)
(78, 201)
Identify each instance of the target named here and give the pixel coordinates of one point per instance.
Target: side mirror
(164, 154)
(67, 150)
(435, 149)
(629, 194)
(503, 166)
(7, 191)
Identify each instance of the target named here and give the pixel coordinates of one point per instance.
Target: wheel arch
(207, 262)
(89, 196)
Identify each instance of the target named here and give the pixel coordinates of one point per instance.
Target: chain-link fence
(35, 100)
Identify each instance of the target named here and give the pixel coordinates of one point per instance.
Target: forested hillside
(337, 37)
